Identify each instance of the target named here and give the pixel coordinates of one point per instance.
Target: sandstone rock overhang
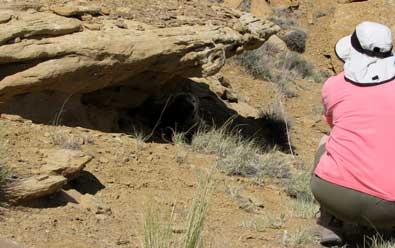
(42, 51)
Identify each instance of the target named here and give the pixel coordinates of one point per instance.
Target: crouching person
(354, 176)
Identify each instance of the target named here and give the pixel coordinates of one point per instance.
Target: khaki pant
(352, 206)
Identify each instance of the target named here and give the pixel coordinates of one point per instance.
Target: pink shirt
(360, 152)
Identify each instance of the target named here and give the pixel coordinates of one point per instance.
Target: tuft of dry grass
(5, 172)
(158, 233)
(65, 140)
(299, 187)
(240, 157)
(281, 68)
(140, 139)
(304, 209)
(198, 213)
(378, 241)
(299, 238)
(267, 221)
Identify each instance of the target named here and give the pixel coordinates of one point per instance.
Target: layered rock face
(70, 60)
(63, 52)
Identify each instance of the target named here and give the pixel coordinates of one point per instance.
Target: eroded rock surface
(60, 166)
(65, 162)
(36, 187)
(44, 51)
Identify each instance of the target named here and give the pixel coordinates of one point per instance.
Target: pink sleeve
(327, 99)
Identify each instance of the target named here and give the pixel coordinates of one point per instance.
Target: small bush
(295, 40)
(281, 68)
(283, 18)
(245, 5)
(258, 62)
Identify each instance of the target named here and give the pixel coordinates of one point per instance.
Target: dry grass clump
(238, 156)
(66, 140)
(259, 62)
(281, 68)
(4, 177)
(299, 186)
(377, 241)
(284, 18)
(275, 164)
(267, 221)
(245, 5)
(294, 37)
(300, 238)
(158, 233)
(157, 229)
(304, 209)
(5, 172)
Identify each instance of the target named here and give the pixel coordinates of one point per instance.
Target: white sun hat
(367, 54)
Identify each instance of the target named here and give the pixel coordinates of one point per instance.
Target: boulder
(35, 187)
(276, 43)
(64, 162)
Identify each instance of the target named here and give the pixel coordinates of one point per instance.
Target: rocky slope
(88, 65)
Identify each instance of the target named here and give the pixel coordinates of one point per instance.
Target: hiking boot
(329, 238)
(330, 229)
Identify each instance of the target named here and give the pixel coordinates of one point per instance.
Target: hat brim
(363, 69)
(344, 48)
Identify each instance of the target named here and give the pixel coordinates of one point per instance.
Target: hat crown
(374, 37)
